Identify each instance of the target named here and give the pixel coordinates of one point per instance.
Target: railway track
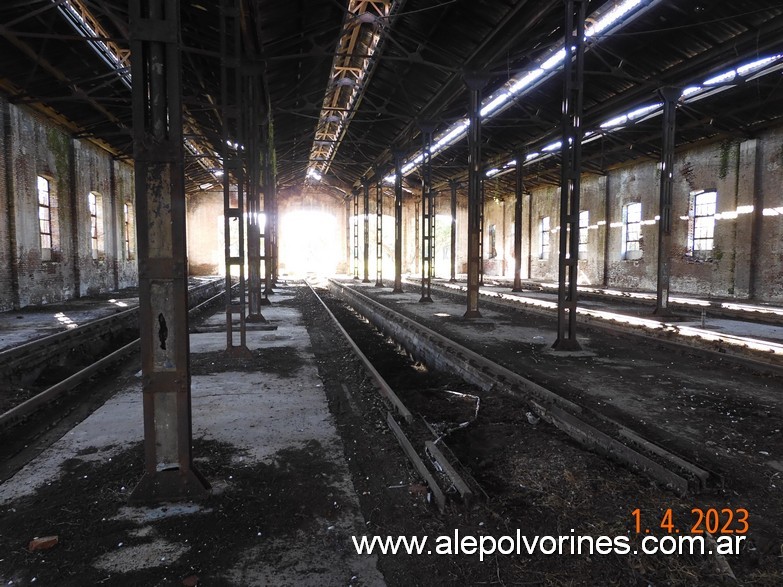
(25, 363)
(588, 427)
(754, 354)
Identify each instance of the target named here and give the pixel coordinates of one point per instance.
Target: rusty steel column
(397, 221)
(268, 235)
(163, 282)
(366, 243)
(233, 169)
(253, 150)
(519, 190)
(570, 175)
(378, 231)
(271, 217)
(453, 186)
(427, 214)
(356, 233)
(482, 186)
(475, 84)
(670, 96)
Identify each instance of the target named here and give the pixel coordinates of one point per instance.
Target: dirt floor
(539, 481)
(527, 476)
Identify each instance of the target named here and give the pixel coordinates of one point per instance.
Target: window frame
(544, 230)
(701, 223)
(584, 230)
(632, 247)
(45, 208)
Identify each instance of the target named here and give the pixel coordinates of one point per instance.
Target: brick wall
(30, 275)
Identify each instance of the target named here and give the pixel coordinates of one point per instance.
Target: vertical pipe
(397, 221)
(670, 96)
(475, 83)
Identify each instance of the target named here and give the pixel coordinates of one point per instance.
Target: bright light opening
(309, 243)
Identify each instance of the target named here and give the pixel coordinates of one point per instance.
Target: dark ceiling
(416, 75)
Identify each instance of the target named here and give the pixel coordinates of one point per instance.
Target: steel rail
(32, 404)
(602, 434)
(731, 348)
(418, 463)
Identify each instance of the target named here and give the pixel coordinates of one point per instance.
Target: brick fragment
(43, 543)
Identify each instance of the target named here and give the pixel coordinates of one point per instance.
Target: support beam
(254, 147)
(356, 233)
(163, 286)
(453, 186)
(379, 231)
(475, 84)
(398, 158)
(482, 210)
(519, 190)
(670, 96)
(427, 214)
(570, 174)
(269, 236)
(233, 111)
(366, 244)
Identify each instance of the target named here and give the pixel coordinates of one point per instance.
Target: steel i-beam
(366, 243)
(570, 174)
(453, 186)
(427, 214)
(232, 97)
(398, 158)
(269, 236)
(253, 149)
(670, 96)
(379, 232)
(475, 84)
(482, 187)
(356, 233)
(519, 190)
(169, 473)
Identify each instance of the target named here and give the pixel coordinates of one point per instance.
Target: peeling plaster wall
(205, 233)
(31, 147)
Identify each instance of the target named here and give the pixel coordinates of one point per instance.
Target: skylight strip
(107, 52)
(692, 93)
(550, 64)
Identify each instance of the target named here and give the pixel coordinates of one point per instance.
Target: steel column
(233, 169)
(475, 84)
(482, 186)
(253, 152)
(453, 185)
(270, 214)
(398, 155)
(427, 214)
(366, 244)
(160, 220)
(670, 96)
(519, 189)
(356, 233)
(570, 174)
(379, 232)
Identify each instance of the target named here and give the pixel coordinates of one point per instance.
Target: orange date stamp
(703, 520)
